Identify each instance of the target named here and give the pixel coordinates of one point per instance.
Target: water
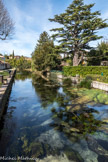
(37, 124)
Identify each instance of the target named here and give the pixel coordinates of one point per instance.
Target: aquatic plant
(96, 95)
(53, 109)
(76, 123)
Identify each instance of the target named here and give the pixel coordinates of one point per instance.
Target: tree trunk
(40, 73)
(75, 60)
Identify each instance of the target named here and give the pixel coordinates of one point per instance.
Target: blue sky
(31, 19)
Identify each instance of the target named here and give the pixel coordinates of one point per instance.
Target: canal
(38, 125)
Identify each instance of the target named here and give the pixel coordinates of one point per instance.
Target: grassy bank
(4, 73)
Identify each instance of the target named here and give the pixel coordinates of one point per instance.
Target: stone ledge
(5, 92)
(100, 85)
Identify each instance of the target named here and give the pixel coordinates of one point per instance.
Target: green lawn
(4, 73)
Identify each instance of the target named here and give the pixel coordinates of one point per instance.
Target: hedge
(85, 70)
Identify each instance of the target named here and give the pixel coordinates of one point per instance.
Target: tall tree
(79, 26)
(6, 23)
(44, 55)
(13, 54)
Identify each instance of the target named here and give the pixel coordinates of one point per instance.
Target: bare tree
(6, 23)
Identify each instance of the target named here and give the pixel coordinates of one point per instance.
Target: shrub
(85, 70)
(67, 82)
(69, 61)
(88, 77)
(85, 84)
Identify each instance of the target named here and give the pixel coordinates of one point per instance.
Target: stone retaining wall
(74, 79)
(95, 84)
(100, 85)
(5, 92)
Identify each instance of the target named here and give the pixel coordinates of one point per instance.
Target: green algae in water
(95, 95)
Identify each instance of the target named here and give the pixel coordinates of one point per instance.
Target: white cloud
(29, 23)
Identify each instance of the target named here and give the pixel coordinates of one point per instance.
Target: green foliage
(20, 63)
(4, 73)
(85, 70)
(69, 61)
(67, 82)
(44, 55)
(95, 56)
(85, 84)
(79, 27)
(6, 56)
(103, 47)
(88, 77)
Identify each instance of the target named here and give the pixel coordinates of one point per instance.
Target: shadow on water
(46, 119)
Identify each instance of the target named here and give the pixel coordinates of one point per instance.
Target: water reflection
(46, 91)
(44, 119)
(23, 75)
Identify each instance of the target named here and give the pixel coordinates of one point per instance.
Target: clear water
(31, 128)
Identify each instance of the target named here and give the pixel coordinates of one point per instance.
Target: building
(17, 57)
(27, 58)
(4, 65)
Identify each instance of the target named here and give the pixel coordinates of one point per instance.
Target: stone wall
(100, 85)
(5, 92)
(76, 80)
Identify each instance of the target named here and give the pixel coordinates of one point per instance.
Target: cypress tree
(13, 54)
(79, 26)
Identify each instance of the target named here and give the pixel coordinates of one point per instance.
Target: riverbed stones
(94, 146)
(72, 155)
(61, 158)
(102, 158)
(36, 149)
(103, 143)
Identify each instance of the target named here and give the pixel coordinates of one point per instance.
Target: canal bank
(5, 90)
